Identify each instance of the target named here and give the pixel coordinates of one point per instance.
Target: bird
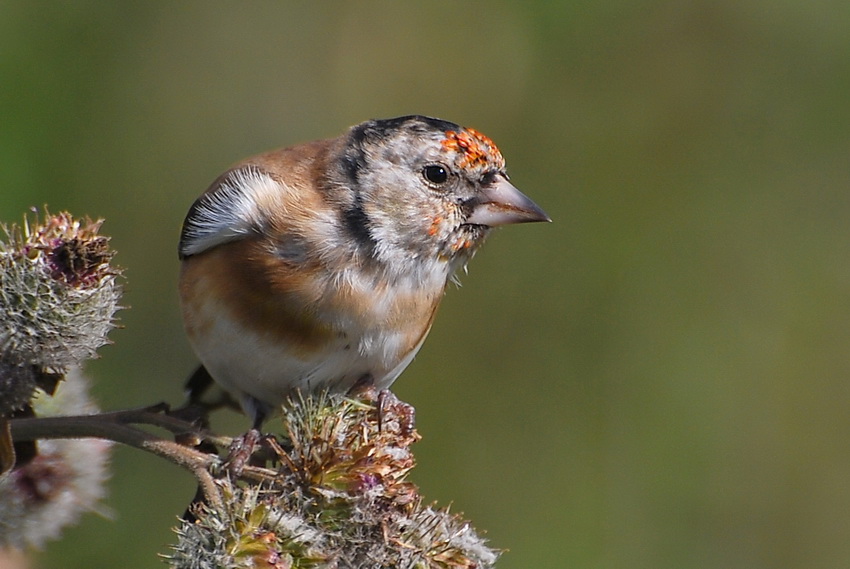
(321, 265)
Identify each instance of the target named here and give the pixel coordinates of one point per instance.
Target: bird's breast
(272, 325)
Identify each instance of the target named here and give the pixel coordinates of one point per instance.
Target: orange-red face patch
(475, 149)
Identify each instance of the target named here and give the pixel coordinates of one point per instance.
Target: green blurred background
(658, 379)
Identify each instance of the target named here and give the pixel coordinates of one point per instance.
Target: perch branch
(117, 426)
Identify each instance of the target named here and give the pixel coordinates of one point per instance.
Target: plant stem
(116, 426)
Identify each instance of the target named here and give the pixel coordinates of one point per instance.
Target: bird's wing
(228, 211)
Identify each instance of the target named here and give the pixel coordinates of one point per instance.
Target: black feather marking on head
(353, 163)
(354, 159)
(489, 177)
(354, 156)
(383, 127)
(357, 223)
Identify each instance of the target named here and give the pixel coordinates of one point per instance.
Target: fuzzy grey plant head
(58, 298)
(65, 479)
(340, 500)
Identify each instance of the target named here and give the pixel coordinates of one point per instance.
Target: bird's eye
(436, 174)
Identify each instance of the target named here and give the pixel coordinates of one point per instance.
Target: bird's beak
(501, 203)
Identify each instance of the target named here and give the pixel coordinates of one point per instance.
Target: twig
(116, 426)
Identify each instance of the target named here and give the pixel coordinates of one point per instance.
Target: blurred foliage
(657, 379)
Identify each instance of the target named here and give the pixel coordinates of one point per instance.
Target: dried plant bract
(340, 499)
(58, 298)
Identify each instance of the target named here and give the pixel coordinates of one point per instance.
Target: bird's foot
(241, 452)
(395, 415)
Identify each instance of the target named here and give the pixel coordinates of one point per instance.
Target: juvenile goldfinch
(322, 265)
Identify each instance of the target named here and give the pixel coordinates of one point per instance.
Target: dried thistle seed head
(340, 499)
(249, 531)
(73, 251)
(65, 479)
(58, 292)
